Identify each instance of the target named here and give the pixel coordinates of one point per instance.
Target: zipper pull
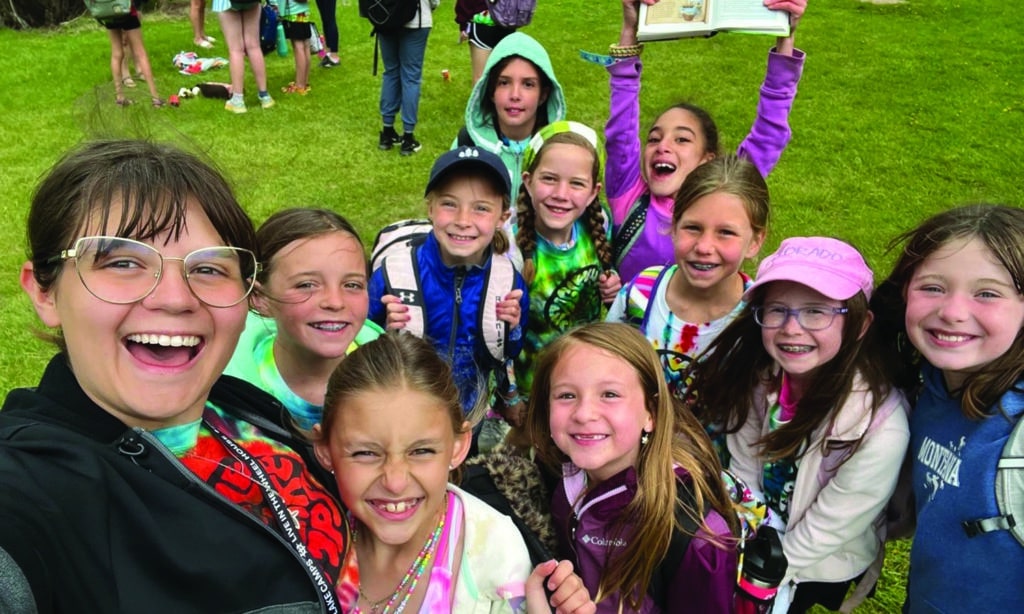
(131, 445)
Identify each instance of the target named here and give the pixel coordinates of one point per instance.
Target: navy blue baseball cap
(465, 158)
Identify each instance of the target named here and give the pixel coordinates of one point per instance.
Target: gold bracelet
(625, 51)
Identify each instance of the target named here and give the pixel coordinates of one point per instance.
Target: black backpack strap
(376, 50)
(664, 573)
(628, 232)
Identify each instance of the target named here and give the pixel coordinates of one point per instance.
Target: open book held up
(685, 18)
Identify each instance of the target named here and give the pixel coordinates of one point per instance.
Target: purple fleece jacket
(706, 578)
(624, 182)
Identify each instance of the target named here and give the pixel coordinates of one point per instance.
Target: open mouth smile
(163, 350)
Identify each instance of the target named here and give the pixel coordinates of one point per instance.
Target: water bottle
(764, 567)
(282, 42)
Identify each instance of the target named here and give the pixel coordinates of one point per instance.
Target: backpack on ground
(1009, 490)
(108, 9)
(268, 29)
(512, 13)
(394, 250)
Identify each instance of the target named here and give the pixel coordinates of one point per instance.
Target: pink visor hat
(830, 266)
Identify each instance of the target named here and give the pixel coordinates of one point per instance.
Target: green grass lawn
(903, 110)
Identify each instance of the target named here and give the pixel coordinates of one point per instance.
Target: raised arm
(622, 131)
(771, 133)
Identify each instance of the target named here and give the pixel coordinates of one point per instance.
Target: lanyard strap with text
(283, 517)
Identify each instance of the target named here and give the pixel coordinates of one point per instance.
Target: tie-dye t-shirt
(254, 362)
(318, 516)
(677, 342)
(564, 293)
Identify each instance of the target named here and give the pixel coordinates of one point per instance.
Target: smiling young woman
(134, 469)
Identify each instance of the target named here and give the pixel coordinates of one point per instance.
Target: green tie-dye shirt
(564, 294)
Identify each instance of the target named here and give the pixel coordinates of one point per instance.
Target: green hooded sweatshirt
(483, 129)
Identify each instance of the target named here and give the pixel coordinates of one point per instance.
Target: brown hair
(736, 368)
(392, 361)
(677, 439)
(593, 216)
(727, 174)
(152, 184)
(1001, 229)
(487, 102)
(288, 225)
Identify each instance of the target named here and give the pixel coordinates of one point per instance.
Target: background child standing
(812, 420)
(241, 28)
(126, 31)
(956, 293)
(467, 203)
(564, 238)
(294, 15)
(720, 219)
(600, 410)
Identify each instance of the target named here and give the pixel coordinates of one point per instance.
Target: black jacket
(102, 518)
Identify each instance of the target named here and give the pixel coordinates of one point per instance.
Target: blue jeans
(402, 53)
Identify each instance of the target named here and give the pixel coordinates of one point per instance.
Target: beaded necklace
(407, 586)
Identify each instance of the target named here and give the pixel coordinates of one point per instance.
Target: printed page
(671, 19)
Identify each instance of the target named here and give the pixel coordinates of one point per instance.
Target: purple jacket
(705, 581)
(624, 183)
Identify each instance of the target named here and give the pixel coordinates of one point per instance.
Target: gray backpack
(106, 9)
(1009, 490)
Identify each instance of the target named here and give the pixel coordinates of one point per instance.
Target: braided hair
(594, 218)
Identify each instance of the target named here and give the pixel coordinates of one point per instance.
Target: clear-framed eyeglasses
(818, 317)
(122, 271)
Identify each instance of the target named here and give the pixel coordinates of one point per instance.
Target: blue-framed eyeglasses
(809, 318)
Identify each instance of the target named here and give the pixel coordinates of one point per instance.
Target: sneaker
(327, 62)
(266, 101)
(291, 88)
(388, 139)
(234, 107)
(409, 145)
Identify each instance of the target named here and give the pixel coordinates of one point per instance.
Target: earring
(451, 467)
(644, 438)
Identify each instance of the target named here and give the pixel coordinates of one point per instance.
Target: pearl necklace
(407, 586)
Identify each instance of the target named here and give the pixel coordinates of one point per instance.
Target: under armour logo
(407, 297)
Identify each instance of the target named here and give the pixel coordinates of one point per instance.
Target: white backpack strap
(499, 282)
(402, 280)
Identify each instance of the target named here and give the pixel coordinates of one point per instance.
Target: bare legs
(117, 63)
(197, 15)
(478, 58)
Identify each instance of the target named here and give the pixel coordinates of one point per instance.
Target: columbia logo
(603, 542)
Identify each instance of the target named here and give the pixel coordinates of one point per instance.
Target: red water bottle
(764, 567)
